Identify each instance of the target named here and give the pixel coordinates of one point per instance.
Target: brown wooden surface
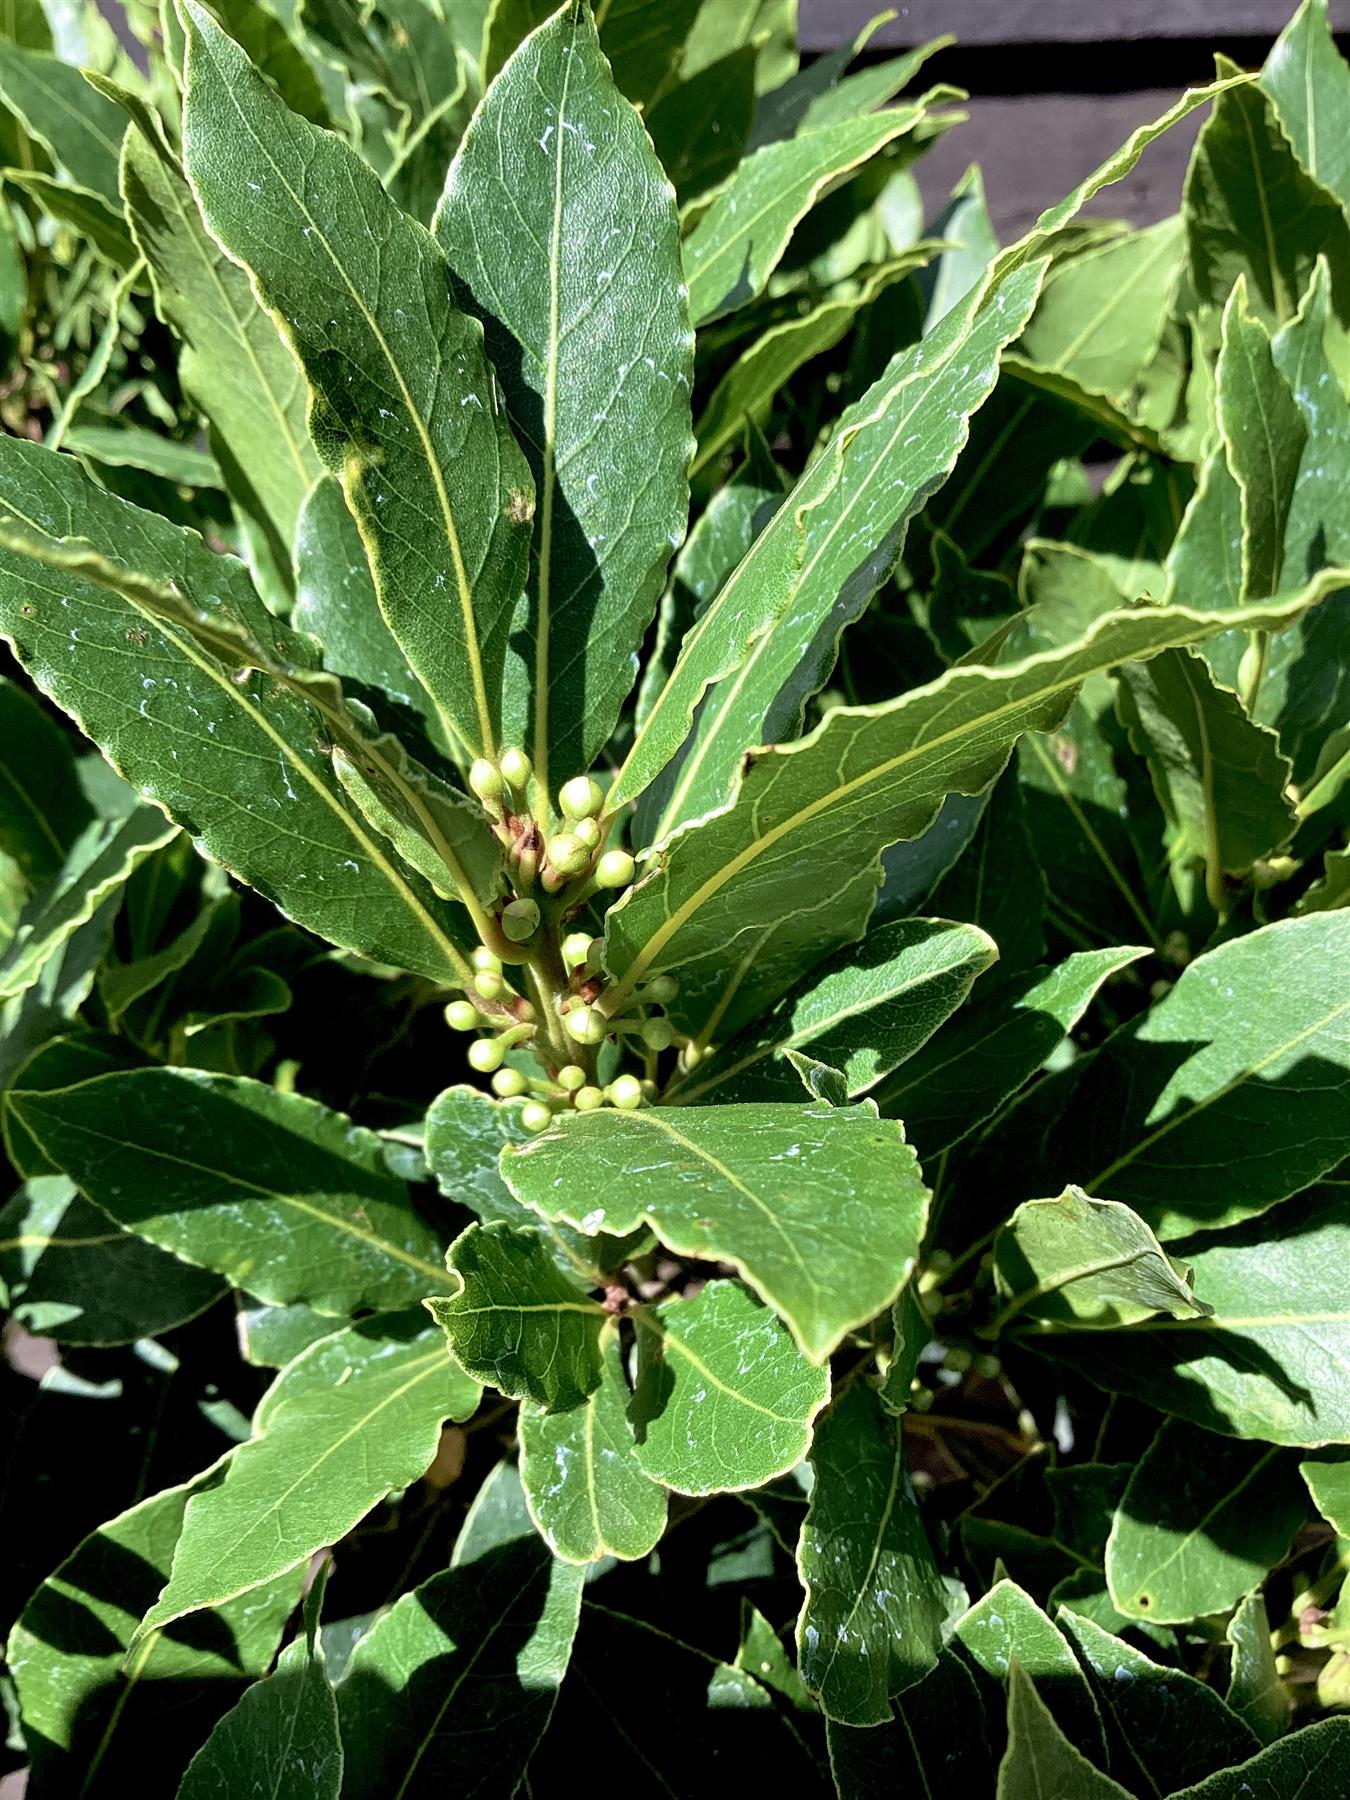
(825, 23)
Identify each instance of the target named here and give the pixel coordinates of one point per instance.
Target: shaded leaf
(42, 806)
(1256, 1692)
(81, 128)
(1164, 1726)
(1087, 1263)
(187, 1159)
(1005, 1627)
(865, 1012)
(586, 1490)
(1201, 1522)
(1306, 76)
(456, 1682)
(516, 1322)
(875, 1603)
(1315, 1759)
(1040, 1759)
(919, 1744)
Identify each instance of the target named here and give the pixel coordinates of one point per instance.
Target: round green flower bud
(576, 947)
(462, 1015)
(586, 1025)
(567, 854)
(580, 798)
(658, 1034)
(509, 1084)
(535, 1116)
(589, 1099)
(572, 1077)
(485, 1055)
(484, 959)
(520, 920)
(615, 869)
(626, 1092)
(485, 778)
(661, 989)
(587, 831)
(489, 984)
(516, 767)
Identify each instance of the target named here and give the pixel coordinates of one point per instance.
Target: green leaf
(43, 809)
(233, 362)
(435, 830)
(1087, 1263)
(160, 685)
(723, 1398)
(1265, 1365)
(587, 328)
(757, 377)
(1202, 1521)
(699, 127)
(516, 1322)
(874, 1603)
(1307, 78)
(1312, 1760)
(96, 1719)
(864, 1013)
(1252, 209)
(1101, 315)
(1040, 1759)
(810, 819)
(355, 1416)
(407, 446)
(182, 1157)
(466, 1132)
(977, 888)
(1328, 1479)
(281, 1740)
(497, 1515)
(263, 37)
(453, 1687)
(1169, 1094)
(1220, 779)
(26, 23)
(918, 1749)
(131, 447)
(86, 212)
(644, 43)
(775, 625)
(1007, 1627)
(272, 1336)
(821, 1209)
(335, 602)
(81, 128)
(976, 1062)
(587, 1492)
(770, 26)
(1256, 1692)
(1165, 1727)
(737, 244)
(1264, 438)
(99, 864)
(69, 1273)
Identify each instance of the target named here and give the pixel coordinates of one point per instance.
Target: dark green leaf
(1039, 1759)
(1314, 1760)
(875, 1603)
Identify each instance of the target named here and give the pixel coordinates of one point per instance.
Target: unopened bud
(615, 869)
(462, 1015)
(576, 947)
(587, 831)
(536, 1116)
(658, 1034)
(589, 1099)
(485, 778)
(572, 1077)
(485, 1055)
(517, 768)
(567, 854)
(484, 959)
(586, 1025)
(520, 920)
(661, 990)
(625, 1092)
(580, 798)
(509, 1084)
(488, 984)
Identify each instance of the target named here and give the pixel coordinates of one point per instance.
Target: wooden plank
(825, 23)
(1033, 149)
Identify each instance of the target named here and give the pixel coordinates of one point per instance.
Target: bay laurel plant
(673, 935)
